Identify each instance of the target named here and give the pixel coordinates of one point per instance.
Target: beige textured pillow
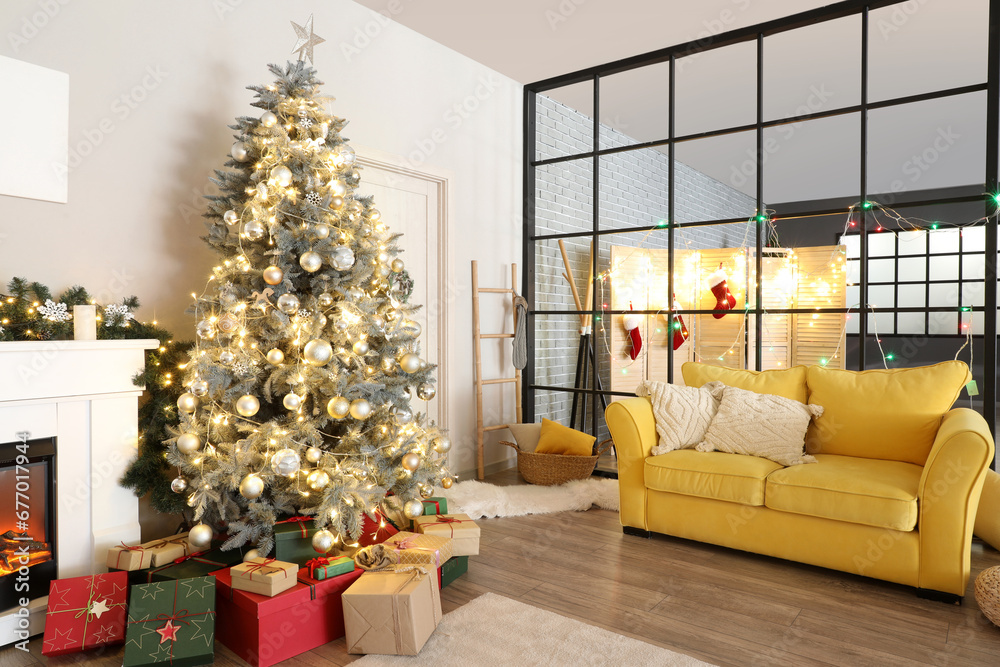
(682, 413)
(525, 435)
(764, 425)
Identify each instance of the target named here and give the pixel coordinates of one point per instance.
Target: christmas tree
(299, 384)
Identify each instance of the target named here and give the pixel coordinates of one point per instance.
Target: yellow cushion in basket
(559, 439)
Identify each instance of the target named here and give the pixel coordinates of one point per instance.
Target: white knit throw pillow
(682, 413)
(771, 427)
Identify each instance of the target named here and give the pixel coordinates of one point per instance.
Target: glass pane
(565, 197)
(943, 294)
(635, 106)
(944, 268)
(716, 89)
(973, 266)
(716, 178)
(912, 243)
(943, 324)
(881, 270)
(931, 144)
(792, 171)
(912, 268)
(557, 346)
(974, 239)
(814, 68)
(881, 323)
(917, 47)
(911, 323)
(564, 121)
(912, 296)
(881, 245)
(552, 290)
(634, 187)
(973, 294)
(943, 240)
(882, 296)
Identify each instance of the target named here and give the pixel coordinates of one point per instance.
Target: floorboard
(719, 605)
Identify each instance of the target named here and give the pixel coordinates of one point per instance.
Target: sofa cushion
(716, 475)
(787, 382)
(882, 414)
(682, 413)
(848, 488)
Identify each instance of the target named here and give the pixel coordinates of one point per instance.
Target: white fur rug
(495, 630)
(481, 500)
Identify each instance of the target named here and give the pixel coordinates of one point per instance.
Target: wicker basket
(551, 469)
(988, 593)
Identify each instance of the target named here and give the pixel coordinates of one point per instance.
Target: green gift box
(326, 568)
(171, 622)
(435, 505)
(198, 564)
(453, 568)
(293, 540)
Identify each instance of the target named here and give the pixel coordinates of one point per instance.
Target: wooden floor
(722, 606)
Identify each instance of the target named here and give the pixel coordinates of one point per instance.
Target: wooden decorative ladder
(477, 337)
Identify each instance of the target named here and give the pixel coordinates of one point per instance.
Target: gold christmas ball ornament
(426, 391)
(360, 348)
(442, 444)
(199, 387)
(251, 486)
(292, 401)
(285, 462)
(325, 300)
(226, 357)
(282, 175)
(288, 304)
(322, 541)
(179, 485)
(411, 461)
(397, 265)
(383, 257)
(253, 230)
(314, 454)
(388, 364)
(413, 508)
(426, 491)
(411, 328)
(188, 443)
(378, 322)
(360, 409)
(342, 258)
(250, 555)
(311, 261)
(447, 482)
(273, 275)
(338, 188)
(239, 152)
(355, 293)
(410, 362)
(187, 402)
(321, 231)
(228, 323)
(374, 215)
(317, 352)
(338, 407)
(340, 326)
(230, 217)
(200, 537)
(337, 203)
(268, 119)
(318, 480)
(275, 356)
(355, 206)
(247, 405)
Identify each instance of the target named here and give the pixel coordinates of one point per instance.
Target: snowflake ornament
(54, 312)
(116, 314)
(314, 199)
(305, 123)
(243, 369)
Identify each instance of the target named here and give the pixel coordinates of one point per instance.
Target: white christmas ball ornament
(413, 508)
(187, 402)
(251, 486)
(311, 261)
(239, 151)
(317, 352)
(230, 217)
(247, 405)
(322, 541)
(282, 175)
(338, 188)
(188, 443)
(292, 401)
(338, 407)
(342, 156)
(268, 119)
(410, 362)
(317, 480)
(275, 356)
(273, 275)
(342, 258)
(251, 555)
(285, 462)
(200, 537)
(360, 408)
(314, 454)
(253, 230)
(288, 304)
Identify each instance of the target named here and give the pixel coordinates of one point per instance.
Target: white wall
(153, 86)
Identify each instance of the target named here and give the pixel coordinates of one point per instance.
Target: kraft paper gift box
(151, 554)
(172, 623)
(459, 527)
(264, 576)
(84, 612)
(264, 630)
(198, 564)
(392, 612)
(416, 549)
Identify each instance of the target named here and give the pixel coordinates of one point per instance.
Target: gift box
(151, 554)
(392, 612)
(293, 540)
(266, 630)
(264, 576)
(84, 612)
(452, 569)
(435, 505)
(373, 532)
(326, 567)
(459, 527)
(198, 564)
(417, 549)
(173, 623)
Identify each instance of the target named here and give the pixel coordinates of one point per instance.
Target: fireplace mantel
(81, 393)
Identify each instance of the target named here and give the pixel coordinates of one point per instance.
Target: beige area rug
(495, 630)
(481, 500)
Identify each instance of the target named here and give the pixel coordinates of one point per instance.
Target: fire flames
(11, 558)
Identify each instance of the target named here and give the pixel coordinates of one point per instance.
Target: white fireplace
(81, 394)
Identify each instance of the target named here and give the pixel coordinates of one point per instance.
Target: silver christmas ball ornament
(442, 444)
(311, 261)
(253, 230)
(251, 486)
(179, 485)
(411, 461)
(275, 356)
(199, 387)
(355, 293)
(317, 480)
(187, 402)
(273, 275)
(292, 401)
(282, 175)
(188, 443)
(317, 352)
(360, 408)
(226, 357)
(247, 405)
(230, 217)
(338, 407)
(342, 156)
(378, 322)
(426, 391)
(200, 537)
(285, 462)
(413, 508)
(239, 152)
(403, 415)
(342, 258)
(268, 119)
(314, 454)
(410, 362)
(288, 304)
(322, 541)
(205, 329)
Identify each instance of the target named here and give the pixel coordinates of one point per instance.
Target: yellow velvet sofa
(893, 495)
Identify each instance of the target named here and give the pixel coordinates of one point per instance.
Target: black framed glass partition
(826, 174)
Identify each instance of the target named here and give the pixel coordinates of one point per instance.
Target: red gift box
(265, 630)
(85, 612)
(373, 532)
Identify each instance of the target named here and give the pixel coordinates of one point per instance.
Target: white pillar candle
(85, 322)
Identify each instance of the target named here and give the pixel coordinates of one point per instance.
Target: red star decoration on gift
(168, 631)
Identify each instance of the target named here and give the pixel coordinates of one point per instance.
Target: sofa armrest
(632, 427)
(948, 496)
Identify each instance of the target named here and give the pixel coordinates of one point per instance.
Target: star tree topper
(307, 39)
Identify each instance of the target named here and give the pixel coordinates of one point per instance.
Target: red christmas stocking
(718, 282)
(680, 329)
(632, 323)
